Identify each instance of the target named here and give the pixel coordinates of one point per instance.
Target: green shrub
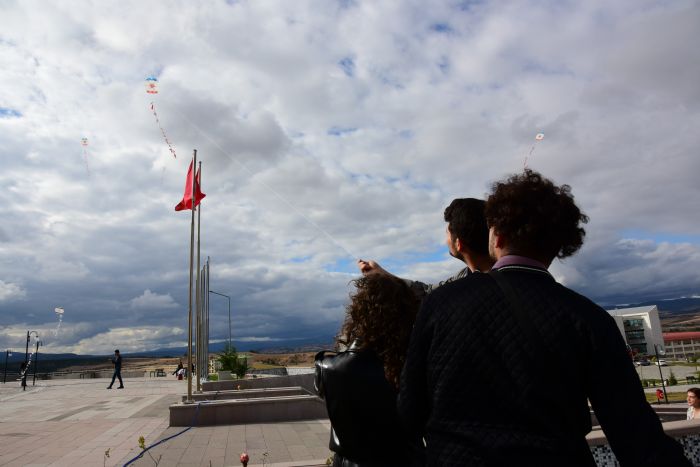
(672, 381)
(213, 377)
(230, 362)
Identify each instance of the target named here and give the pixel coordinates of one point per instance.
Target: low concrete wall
(281, 371)
(90, 374)
(248, 394)
(305, 381)
(257, 410)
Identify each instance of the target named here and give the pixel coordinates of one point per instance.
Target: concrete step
(247, 393)
(252, 410)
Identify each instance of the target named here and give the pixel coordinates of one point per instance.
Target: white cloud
(149, 300)
(10, 292)
(329, 132)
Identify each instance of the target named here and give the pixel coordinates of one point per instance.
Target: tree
(242, 367)
(229, 359)
(230, 362)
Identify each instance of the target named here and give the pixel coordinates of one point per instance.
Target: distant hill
(673, 306)
(311, 344)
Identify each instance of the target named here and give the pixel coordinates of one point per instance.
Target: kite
(152, 85)
(84, 144)
(59, 314)
(152, 88)
(538, 137)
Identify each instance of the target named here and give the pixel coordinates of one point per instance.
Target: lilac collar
(510, 260)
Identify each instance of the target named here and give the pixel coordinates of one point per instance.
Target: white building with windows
(640, 327)
(682, 345)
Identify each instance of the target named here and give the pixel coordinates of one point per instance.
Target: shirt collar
(511, 260)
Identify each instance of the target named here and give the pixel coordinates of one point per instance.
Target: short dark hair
(116, 351)
(695, 391)
(465, 220)
(535, 216)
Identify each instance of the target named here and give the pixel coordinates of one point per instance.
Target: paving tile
(88, 420)
(299, 452)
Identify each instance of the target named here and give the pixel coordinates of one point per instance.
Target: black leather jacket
(361, 403)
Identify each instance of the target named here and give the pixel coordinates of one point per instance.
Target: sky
(328, 131)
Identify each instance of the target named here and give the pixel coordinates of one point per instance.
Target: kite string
(60, 320)
(538, 137)
(165, 137)
(528, 155)
(85, 157)
(272, 190)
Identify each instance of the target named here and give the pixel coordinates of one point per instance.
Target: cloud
(10, 292)
(327, 133)
(149, 300)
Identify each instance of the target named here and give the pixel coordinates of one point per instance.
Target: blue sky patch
(300, 259)
(660, 237)
(348, 66)
(339, 131)
(343, 265)
(9, 113)
(441, 28)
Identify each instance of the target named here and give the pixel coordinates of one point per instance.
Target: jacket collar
(520, 263)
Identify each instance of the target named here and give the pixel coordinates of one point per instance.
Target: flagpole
(200, 349)
(189, 317)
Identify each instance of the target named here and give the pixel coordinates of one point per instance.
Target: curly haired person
(360, 384)
(475, 386)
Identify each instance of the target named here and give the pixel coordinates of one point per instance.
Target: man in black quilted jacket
(475, 386)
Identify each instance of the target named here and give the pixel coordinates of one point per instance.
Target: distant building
(682, 345)
(640, 327)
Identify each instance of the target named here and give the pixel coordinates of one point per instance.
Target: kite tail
(165, 137)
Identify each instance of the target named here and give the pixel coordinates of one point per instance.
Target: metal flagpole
(202, 341)
(189, 318)
(206, 328)
(199, 292)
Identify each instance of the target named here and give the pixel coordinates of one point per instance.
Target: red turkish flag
(186, 202)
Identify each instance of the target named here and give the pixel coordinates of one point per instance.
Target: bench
(157, 372)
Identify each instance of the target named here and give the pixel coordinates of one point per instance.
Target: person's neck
(481, 263)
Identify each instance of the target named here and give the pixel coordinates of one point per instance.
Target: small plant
(264, 458)
(104, 461)
(329, 461)
(142, 445)
(672, 381)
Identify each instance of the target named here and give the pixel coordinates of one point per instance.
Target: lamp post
(229, 314)
(8, 353)
(36, 359)
(663, 385)
(26, 359)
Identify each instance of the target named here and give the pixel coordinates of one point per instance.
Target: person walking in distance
(117, 362)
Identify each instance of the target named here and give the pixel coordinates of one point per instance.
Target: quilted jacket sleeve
(633, 430)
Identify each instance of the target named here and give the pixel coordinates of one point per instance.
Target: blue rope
(194, 419)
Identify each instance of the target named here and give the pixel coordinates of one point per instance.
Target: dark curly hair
(465, 220)
(536, 217)
(380, 316)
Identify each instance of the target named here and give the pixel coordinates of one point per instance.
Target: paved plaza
(73, 422)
